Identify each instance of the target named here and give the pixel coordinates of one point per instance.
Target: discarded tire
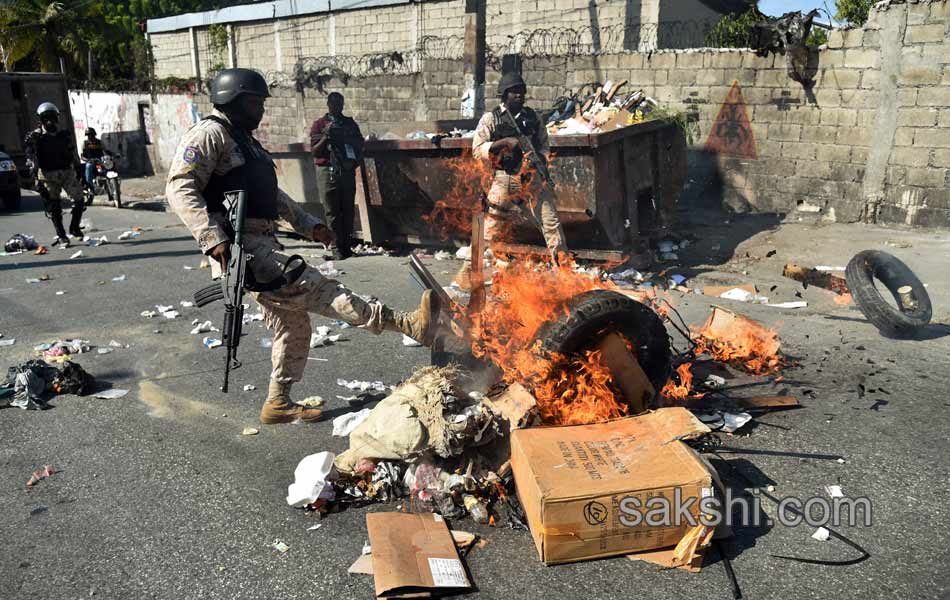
(594, 313)
(915, 309)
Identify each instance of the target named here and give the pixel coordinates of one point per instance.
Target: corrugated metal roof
(261, 11)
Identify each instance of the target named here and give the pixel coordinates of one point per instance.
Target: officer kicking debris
(219, 154)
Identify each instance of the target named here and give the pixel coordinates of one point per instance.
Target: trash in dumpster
(413, 553)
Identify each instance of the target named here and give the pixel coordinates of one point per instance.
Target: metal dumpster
(615, 191)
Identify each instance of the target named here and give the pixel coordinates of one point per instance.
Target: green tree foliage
(34, 34)
(854, 12)
(735, 30)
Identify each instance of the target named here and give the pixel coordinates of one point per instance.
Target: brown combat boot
(279, 409)
(420, 324)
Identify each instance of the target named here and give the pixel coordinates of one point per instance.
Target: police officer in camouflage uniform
(219, 154)
(52, 159)
(516, 189)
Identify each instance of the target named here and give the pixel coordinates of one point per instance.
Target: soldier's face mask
(246, 111)
(50, 124)
(514, 98)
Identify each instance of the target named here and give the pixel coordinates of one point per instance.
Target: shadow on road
(96, 260)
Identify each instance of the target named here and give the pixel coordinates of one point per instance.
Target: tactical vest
(530, 126)
(257, 176)
(54, 151)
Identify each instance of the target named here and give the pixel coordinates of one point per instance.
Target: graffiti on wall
(731, 132)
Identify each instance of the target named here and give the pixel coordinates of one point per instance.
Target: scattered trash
(148, 314)
(249, 318)
(186, 304)
(317, 340)
(210, 342)
(408, 341)
(267, 343)
(311, 402)
(280, 546)
(61, 293)
(627, 275)
(732, 422)
(345, 424)
(834, 491)
(249, 388)
(127, 235)
(189, 268)
(116, 344)
(119, 278)
(310, 480)
(40, 475)
(250, 431)
(315, 527)
(96, 242)
(105, 350)
(413, 551)
(77, 254)
(817, 277)
(796, 304)
(363, 386)
(715, 381)
(20, 242)
(41, 250)
(443, 255)
(328, 269)
(7, 342)
(111, 394)
(821, 534)
(168, 312)
(203, 328)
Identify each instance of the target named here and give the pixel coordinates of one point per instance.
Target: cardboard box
(413, 554)
(580, 485)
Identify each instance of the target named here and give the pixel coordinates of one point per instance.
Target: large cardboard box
(581, 485)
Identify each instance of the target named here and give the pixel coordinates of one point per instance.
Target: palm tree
(45, 32)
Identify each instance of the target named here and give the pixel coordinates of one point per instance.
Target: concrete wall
(869, 139)
(143, 129)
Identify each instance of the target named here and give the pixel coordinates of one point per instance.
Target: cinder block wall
(871, 137)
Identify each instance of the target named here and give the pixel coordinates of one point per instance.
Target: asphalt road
(157, 494)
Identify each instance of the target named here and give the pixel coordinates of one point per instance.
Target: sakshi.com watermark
(743, 510)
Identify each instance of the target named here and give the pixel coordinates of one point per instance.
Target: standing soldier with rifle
(219, 155)
(52, 159)
(337, 146)
(513, 139)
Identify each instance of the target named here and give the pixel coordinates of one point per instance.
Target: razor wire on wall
(554, 42)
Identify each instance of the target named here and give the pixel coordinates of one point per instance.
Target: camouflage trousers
(513, 201)
(287, 310)
(50, 184)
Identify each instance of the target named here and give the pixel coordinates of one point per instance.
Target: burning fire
(469, 180)
(679, 392)
(526, 296)
(739, 341)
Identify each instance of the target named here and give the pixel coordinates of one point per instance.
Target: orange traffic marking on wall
(731, 133)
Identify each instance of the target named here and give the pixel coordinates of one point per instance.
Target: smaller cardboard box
(414, 556)
(583, 487)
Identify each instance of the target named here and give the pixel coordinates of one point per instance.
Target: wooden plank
(627, 373)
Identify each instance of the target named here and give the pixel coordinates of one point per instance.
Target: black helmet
(228, 84)
(90, 131)
(509, 80)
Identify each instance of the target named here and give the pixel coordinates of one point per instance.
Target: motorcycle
(105, 180)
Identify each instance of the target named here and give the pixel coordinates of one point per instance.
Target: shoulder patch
(191, 155)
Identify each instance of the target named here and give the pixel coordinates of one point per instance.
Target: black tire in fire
(869, 265)
(597, 312)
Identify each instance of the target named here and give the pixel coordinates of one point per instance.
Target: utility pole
(473, 96)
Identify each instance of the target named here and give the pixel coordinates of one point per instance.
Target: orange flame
(679, 392)
(525, 296)
(468, 180)
(741, 342)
